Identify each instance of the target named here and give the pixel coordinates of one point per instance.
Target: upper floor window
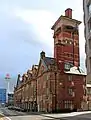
(89, 91)
(68, 66)
(70, 77)
(89, 25)
(70, 91)
(90, 63)
(70, 42)
(89, 43)
(89, 9)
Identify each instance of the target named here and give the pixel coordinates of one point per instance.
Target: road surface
(15, 115)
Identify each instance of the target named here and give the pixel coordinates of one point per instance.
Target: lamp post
(55, 91)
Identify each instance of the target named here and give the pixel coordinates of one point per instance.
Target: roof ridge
(50, 57)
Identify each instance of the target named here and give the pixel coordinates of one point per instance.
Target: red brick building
(61, 83)
(66, 39)
(58, 83)
(58, 90)
(25, 90)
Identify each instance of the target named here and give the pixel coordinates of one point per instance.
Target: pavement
(7, 114)
(69, 115)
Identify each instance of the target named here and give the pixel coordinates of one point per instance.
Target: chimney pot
(68, 12)
(42, 54)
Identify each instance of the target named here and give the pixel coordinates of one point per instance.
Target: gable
(42, 67)
(18, 82)
(34, 70)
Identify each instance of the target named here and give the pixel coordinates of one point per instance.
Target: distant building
(87, 35)
(10, 99)
(2, 96)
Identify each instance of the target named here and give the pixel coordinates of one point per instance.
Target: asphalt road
(15, 115)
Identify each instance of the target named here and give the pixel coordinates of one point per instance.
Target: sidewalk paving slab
(57, 116)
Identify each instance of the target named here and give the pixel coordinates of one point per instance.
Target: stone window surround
(70, 42)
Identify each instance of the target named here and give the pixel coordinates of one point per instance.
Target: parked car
(11, 107)
(16, 108)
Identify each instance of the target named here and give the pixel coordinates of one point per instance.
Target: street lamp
(55, 91)
(56, 99)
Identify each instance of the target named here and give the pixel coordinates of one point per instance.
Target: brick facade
(57, 83)
(25, 92)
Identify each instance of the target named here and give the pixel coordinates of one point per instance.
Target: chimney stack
(68, 13)
(42, 54)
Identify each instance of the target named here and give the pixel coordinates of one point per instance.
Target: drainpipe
(55, 91)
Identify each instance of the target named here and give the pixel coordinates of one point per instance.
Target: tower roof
(67, 18)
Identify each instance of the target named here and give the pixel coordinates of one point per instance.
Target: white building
(87, 33)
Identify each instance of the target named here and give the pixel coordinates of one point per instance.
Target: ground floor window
(68, 104)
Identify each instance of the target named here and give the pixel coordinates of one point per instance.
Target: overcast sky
(25, 30)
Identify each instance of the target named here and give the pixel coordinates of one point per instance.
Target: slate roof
(75, 70)
(49, 61)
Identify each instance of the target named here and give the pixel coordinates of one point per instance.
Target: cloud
(41, 20)
(19, 47)
(25, 30)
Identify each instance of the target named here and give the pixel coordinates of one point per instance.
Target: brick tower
(66, 41)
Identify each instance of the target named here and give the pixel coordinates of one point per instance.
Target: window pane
(90, 63)
(89, 25)
(67, 66)
(70, 91)
(89, 43)
(70, 78)
(89, 8)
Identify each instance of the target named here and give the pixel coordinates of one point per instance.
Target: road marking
(7, 118)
